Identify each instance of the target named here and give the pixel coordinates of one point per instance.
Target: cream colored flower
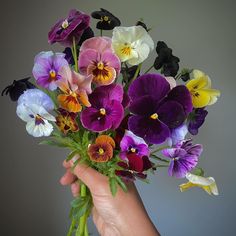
(208, 184)
(132, 44)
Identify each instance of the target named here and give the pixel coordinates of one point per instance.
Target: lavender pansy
(33, 108)
(184, 157)
(68, 28)
(46, 68)
(157, 109)
(106, 111)
(131, 143)
(177, 135)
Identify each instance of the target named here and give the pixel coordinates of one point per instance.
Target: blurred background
(202, 34)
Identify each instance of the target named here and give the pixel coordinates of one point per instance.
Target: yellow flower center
(52, 74)
(126, 50)
(105, 18)
(154, 116)
(100, 65)
(65, 24)
(132, 149)
(100, 151)
(102, 111)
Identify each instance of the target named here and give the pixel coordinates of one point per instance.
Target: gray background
(202, 34)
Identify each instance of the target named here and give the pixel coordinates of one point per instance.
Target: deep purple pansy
(68, 28)
(106, 111)
(184, 157)
(156, 108)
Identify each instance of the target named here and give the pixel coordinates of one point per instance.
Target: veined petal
(39, 130)
(198, 83)
(200, 98)
(69, 103)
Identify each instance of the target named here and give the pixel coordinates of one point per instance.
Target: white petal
(137, 139)
(24, 113)
(143, 51)
(195, 179)
(39, 130)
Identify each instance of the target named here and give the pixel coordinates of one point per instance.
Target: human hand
(122, 215)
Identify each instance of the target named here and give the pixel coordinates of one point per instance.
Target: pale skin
(122, 215)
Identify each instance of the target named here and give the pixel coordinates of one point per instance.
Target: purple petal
(109, 58)
(116, 113)
(149, 84)
(181, 95)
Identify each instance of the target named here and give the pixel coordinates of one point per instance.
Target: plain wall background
(202, 34)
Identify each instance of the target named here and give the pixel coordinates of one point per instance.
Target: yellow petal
(200, 98)
(186, 186)
(214, 94)
(199, 83)
(69, 103)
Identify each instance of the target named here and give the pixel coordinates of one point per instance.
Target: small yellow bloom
(208, 184)
(201, 91)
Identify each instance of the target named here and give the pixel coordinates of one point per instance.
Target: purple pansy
(178, 134)
(46, 68)
(156, 108)
(197, 118)
(131, 143)
(71, 27)
(106, 111)
(184, 157)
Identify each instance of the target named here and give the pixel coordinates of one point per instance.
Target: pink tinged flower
(184, 157)
(46, 68)
(171, 80)
(33, 108)
(68, 28)
(75, 88)
(98, 59)
(131, 143)
(106, 111)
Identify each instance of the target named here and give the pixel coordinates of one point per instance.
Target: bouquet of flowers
(96, 99)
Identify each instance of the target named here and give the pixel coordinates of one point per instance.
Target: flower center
(126, 50)
(100, 151)
(39, 120)
(100, 65)
(154, 116)
(52, 74)
(65, 24)
(133, 150)
(102, 111)
(105, 18)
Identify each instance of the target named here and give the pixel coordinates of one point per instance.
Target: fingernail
(74, 159)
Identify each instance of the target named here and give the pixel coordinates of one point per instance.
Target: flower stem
(101, 32)
(74, 52)
(72, 226)
(159, 149)
(159, 158)
(149, 69)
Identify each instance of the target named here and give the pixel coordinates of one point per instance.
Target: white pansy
(132, 44)
(208, 184)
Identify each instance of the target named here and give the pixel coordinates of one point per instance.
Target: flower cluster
(96, 99)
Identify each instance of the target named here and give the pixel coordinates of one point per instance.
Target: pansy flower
(17, 88)
(201, 91)
(107, 21)
(102, 149)
(157, 109)
(46, 68)
(184, 157)
(75, 88)
(33, 108)
(132, 44)
(196, 120)
(106, 111)
(98, 59)
(131, 143)
(178, 134)
(68, 28)
(208, 184)
(165, 60)
(66, 121)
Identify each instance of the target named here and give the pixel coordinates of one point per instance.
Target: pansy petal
(143, 52)
(39, 130)
(112, 60)
(200, 99)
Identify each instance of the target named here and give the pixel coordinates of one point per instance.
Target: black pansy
(17, 88)
(107, 21)
(142, 24)
(168, 63)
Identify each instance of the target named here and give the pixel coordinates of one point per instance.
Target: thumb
(89, 176)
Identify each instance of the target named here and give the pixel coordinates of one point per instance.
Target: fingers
(68, 178)
(75, 189)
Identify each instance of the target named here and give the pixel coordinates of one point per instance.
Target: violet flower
(46, 68)
(196, 120)
(157, 109)
(68, 28)
(106, 111)
(131, 143)
(184, 157)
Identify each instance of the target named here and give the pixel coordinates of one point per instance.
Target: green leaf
(113, 185)
(85, 138)
(53, 143)
(121, 183)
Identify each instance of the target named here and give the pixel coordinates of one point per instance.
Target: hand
(122, 215)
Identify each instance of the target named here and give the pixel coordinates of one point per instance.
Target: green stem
(101, 32)
(157, 165)
(149, 69)
(72, 226)
(159, 149)
(159, 158)
(74, 52)
(135, 76)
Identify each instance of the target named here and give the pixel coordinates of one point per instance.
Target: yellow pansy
(208, 184)
(201, 91)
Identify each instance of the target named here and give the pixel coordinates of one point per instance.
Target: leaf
(85, 139)
(121, 183)
(113, 185)
(53, 143)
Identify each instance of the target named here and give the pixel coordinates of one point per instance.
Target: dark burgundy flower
(165, 60)
(196, 120)
(17, 88)
(71, 27)
(107, 21)
(157, 109)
